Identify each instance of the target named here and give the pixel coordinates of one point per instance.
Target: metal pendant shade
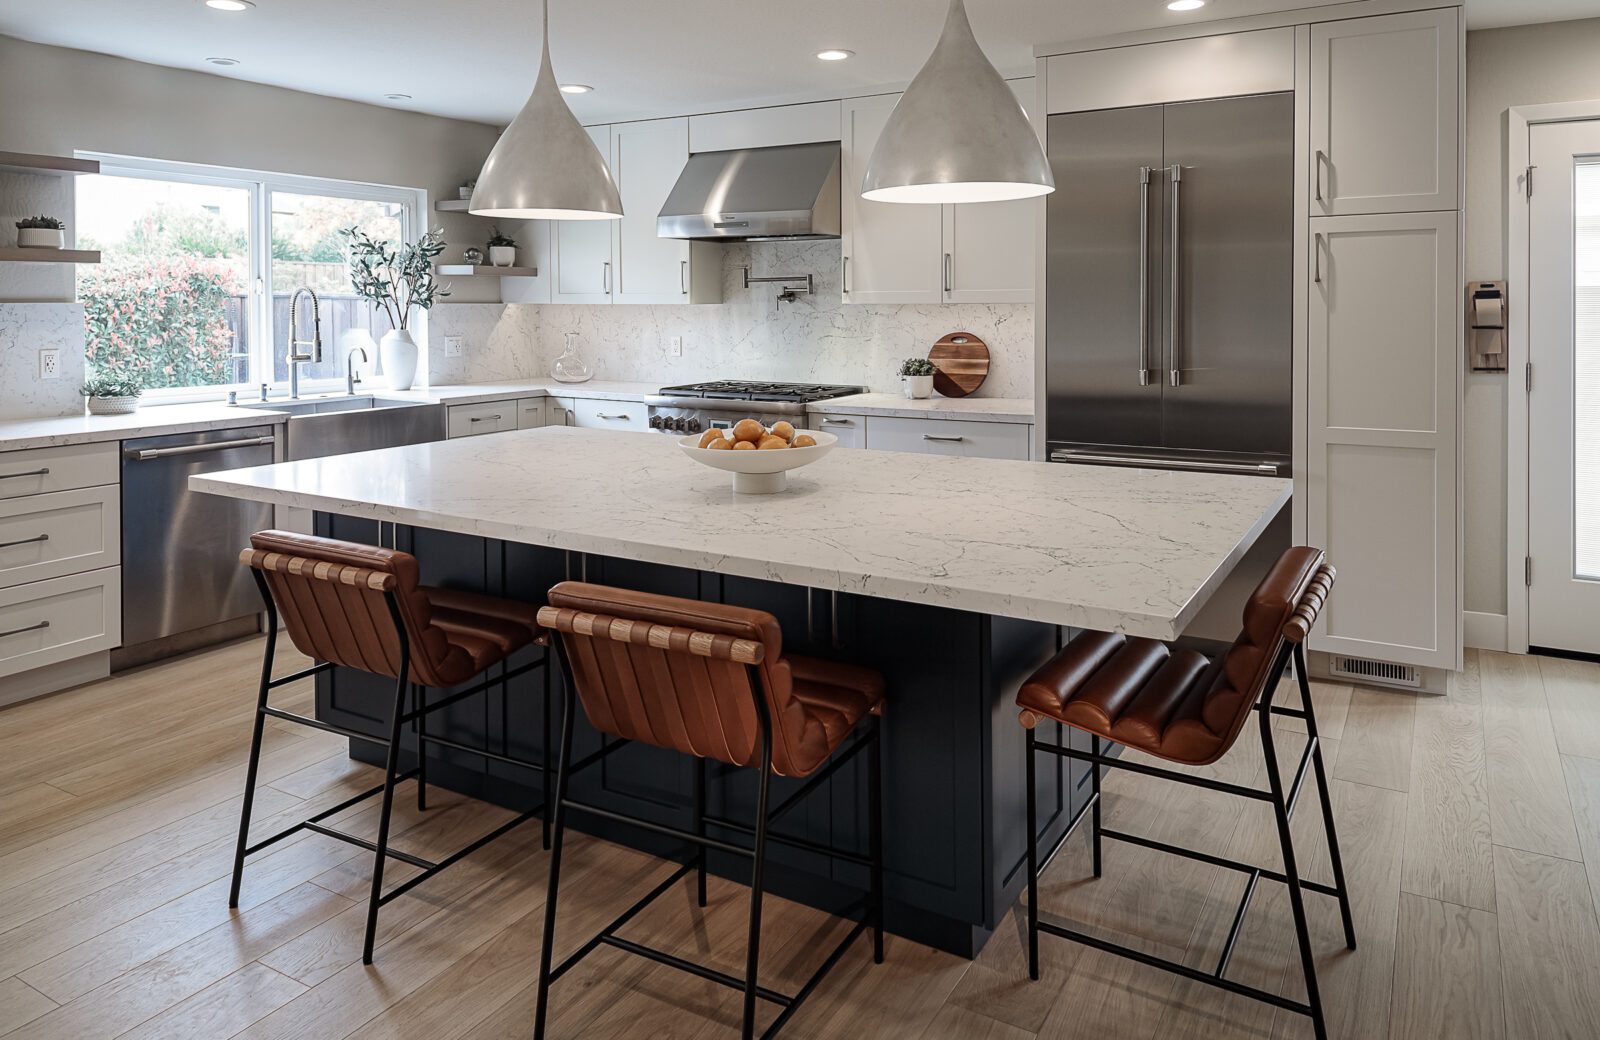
(545, 166)
(957, 133)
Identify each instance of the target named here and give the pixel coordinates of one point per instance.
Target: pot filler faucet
(295, 358)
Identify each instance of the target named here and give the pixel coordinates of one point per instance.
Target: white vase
(398, 353)
(917, 387)
(41, 238)
(503, 256)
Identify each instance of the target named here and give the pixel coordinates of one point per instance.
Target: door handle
(1268, 469)
(147, 454)
(938, 437)
(25, 541)
(1316, 258)
(947, 272)
(1144, 275)
(844, 279)
(683, 277)
(29, 628)
(44, 472)
(1175, 274)
(606, 275)
(1319, 159)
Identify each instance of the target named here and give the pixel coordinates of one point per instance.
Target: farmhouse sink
(341, 424)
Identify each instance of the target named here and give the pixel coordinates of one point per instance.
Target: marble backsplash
(749, 336)
(25, 328)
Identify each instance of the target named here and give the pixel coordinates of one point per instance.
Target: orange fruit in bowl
(709, 436)
(721, 444)
(748, 430)
(783, 428)
(804, 440)
(744, 445)
(771, 442)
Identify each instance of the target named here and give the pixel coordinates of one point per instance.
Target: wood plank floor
(1470, 826)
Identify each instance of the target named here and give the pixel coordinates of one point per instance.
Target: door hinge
(1528, 180)
(1527, 571)
(1527, 377)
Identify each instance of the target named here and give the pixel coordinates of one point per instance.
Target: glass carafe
(570, 366)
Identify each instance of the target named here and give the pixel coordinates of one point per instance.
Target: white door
(988, 246)
(1564, 402)
(1381, 457)
(1384, 100)
(646, 159)
(580, 250)
(892, 252)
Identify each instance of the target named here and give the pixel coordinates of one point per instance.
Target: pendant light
(545, 166)
(958, 133)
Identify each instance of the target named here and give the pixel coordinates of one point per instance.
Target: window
(200, 264)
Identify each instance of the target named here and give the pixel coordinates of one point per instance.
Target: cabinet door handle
(683, 277)
(947, 272)
(938, 437)
(1316, 257)
(606, 275)
(1318, 161)
(29, 628)
(837, 422)
(845, 280)
(485, 418)
(25, 541)
(45, 472)
(623, 417)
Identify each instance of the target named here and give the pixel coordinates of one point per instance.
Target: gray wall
(1524, 65)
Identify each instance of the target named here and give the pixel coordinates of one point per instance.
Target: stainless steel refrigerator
(1169, 285)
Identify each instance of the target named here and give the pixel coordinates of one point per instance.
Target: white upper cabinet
(764, 127)
(891, 252)
(989, 246)
(647, 159)
(581, 250)
(1384, 114)
(905, 253)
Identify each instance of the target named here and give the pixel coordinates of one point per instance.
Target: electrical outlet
(675, 346)
(452, 346)
(50, 363)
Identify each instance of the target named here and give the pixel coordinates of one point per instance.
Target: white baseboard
(1482, 631)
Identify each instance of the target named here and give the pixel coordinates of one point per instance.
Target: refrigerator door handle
(1174, 273)
(1102, 458)
(1144, 275)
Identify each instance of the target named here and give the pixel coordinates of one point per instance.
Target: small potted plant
(466, 190)
(916, 377)
(41, 233)
(502, 250)
(399, 279)
(112, 395)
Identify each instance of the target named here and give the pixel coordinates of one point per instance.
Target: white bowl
(759, 472)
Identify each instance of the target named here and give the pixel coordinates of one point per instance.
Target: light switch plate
(50, 363)
(675, 346)
(453, 346)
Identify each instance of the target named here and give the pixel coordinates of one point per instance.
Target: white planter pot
(503, 256)
(41, 238)
(113, 405)
(397, 352)
(917, 387)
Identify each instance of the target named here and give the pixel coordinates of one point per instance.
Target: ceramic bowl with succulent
(41, 233)
(916, 377)
(110, 395)
(502, 250)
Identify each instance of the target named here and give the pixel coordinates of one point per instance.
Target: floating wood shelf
(48, 165)
(473, 270)
(451, 205)
(49, 256)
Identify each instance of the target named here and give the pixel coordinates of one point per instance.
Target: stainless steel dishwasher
(180, 549)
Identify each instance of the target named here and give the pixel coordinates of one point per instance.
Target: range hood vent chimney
(782, 193)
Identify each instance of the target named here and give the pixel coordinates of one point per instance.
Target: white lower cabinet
(850, 429)
(609, 415)
(48, 622)
(47, 536)
(472, 420)
(978, 440)
(532, 413)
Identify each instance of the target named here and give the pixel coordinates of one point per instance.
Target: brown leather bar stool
(1178, 705)
(711, 681)
(359, 606)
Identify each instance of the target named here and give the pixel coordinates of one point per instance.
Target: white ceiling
(474, 59)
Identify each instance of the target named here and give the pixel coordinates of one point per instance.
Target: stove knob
(656, 423)
(675, 424)
(692, 425)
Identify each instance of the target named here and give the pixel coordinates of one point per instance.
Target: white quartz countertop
(971, 409)
(1098, 547)
(148, 421)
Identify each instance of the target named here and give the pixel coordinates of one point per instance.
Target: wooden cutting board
(961, 364)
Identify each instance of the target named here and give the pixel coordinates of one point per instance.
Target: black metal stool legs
(1033, 856)
(875, 836)
(752, 956)
(563, 765)
(1334, 858)
(255, 745)
(390, 773)
(419, 726)
(1094, 822)
(700, 828)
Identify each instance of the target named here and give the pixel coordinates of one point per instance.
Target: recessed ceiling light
(233, 6)
(398, 97)
(575, 88)
(1186, 5)
(223, 61)
(835, 55)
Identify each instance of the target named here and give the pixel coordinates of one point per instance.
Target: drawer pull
(938, 437)
(837, 422)
(25, 541)
(30, 628)
(486, 418)
(45, 472)
(621, 418)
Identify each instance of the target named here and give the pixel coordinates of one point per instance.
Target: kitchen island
(955, 577)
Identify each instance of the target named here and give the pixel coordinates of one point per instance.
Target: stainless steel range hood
(780, 193)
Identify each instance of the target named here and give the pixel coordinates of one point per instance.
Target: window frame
(260, 184)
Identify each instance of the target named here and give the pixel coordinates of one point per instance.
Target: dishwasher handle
(147, 454)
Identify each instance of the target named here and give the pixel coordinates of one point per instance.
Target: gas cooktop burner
(738, 390)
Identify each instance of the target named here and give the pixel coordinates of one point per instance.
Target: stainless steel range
(720, 404)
